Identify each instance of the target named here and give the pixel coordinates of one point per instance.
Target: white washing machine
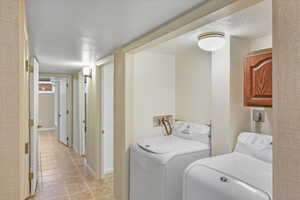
(245, 174)
(157, 164)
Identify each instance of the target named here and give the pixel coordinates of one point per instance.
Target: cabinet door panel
(258, 79)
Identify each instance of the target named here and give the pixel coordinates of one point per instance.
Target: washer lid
(169, 144)
(192, 131)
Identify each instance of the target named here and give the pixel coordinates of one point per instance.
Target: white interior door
(107, 108)
(56, 108)
(82, 113)
(62, 133)
(34, 137)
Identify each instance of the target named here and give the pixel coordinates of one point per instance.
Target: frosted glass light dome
(211, 41)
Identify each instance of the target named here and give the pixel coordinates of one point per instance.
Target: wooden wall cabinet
(258, 78)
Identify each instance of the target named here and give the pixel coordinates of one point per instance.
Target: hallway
(64, 175)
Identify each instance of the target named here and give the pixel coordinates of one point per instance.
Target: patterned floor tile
(64, 175)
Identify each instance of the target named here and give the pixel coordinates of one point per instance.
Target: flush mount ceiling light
(211, 41)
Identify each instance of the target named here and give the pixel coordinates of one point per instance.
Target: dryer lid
(255, 145)
(253, 172)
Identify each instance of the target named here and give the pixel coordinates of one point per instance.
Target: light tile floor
(64, 175)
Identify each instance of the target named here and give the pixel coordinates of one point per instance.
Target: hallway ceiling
(66, 35)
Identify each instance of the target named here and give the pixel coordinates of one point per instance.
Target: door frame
(123, 85)
(69, 103)
(101, 151)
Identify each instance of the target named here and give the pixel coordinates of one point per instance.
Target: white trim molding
(46, 129)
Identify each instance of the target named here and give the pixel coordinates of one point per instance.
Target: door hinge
(30, 123)
(30, 176)
(102, 131)
(67, 85)
(68, 112)
(26, 148)
(29, 68)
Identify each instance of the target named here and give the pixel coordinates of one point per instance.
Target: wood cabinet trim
(259, 52)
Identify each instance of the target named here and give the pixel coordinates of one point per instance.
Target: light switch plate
(258, 115)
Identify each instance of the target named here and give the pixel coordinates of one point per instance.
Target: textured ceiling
(252, 22)
(66, 35)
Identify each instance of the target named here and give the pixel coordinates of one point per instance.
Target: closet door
(258, 78)
(63, 136)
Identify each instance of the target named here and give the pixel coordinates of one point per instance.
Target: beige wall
(47, 110)
(192, 85)
(170, 84)
(154, 91)
(259, 43)
(13, 101)
(229, 116)
(286, 99)
(239, 114)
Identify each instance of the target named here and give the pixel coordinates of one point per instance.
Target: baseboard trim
(46, 129)
(30, 197)
(90, 169)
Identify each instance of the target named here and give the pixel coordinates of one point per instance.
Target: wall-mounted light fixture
(211, 41)
(87, 72)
